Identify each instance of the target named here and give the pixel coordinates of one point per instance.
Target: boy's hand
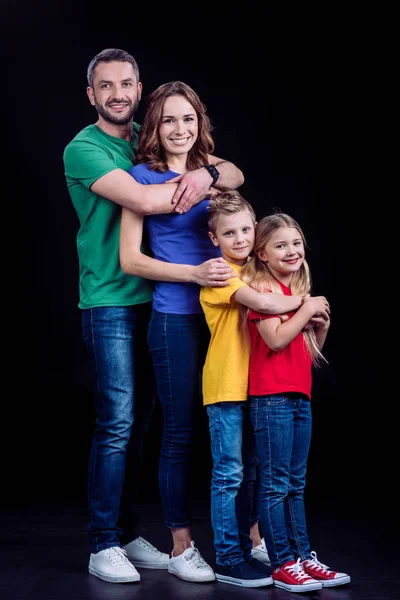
(319, 306)
(214, 273)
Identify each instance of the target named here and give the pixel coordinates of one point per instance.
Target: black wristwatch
(213, 172)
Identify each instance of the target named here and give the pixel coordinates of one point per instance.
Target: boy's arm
(213, 272)
(269, 303)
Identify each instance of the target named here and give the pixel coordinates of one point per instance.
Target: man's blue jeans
(178, 345)
(124, 393)
(282, 425)
(235, 462)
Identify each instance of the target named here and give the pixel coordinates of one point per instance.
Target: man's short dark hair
(109, 55)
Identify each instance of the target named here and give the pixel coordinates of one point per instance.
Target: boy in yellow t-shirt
(232, 224)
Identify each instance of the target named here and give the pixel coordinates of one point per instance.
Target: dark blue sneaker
(242, 574)
(260, 566)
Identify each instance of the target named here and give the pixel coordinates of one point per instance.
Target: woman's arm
(277, 335)
(214, 272)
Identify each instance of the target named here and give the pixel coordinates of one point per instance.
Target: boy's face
(235, 236)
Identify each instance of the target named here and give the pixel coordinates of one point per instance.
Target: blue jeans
(282, 425)
(178, 346)
(124, 393)
(235, 462)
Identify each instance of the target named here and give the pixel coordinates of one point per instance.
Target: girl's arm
(269, 303)
(277, 335)
(214, 272)
(321, 328)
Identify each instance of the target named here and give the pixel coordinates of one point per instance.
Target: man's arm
(213, 272)
(120, 187)
(198, 182)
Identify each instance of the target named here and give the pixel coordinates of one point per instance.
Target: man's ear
(90, 94)
(140, 90)
(213, 238)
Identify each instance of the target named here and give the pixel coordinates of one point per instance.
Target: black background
(289, 96)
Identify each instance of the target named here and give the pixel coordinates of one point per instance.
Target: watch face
(213, 172)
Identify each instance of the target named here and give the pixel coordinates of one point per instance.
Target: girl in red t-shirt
(283, 350)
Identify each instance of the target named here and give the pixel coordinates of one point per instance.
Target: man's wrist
(213, 171)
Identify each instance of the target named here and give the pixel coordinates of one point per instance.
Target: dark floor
(45, 556)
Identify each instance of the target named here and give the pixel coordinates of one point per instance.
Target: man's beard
(116, 119)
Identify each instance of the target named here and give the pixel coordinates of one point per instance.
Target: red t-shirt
(288, 370)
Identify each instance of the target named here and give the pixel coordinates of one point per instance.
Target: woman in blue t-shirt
(176, 138)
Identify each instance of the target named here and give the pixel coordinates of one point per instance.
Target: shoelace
(147, 546)
(118, 557)
(195, 559)
(297, 570)
(318, 566)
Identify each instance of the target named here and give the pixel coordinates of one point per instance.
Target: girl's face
(284, 253)
(179, 128)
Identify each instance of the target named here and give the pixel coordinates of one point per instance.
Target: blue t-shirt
(180, 239)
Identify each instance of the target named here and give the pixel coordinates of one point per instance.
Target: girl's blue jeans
(282, 426)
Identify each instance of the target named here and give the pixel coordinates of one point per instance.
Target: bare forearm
(320, 336)
(230, 177)
(276, 304)
(285, 331)
(120, 187)
(157, 270)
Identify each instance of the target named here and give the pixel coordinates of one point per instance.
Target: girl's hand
(318, 322)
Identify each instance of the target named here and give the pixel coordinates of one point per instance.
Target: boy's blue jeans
(235, 462)
(282, 426)
(124, 393)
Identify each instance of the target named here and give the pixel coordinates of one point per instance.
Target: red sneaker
(322, 573)
(292, 577)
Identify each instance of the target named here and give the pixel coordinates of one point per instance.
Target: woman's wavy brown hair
(150, 148)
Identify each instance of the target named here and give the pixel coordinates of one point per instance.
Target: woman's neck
(177, 163)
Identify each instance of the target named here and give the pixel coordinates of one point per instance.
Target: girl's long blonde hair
(257, 275)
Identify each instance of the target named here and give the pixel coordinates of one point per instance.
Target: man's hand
(193, 187)
(214, 273)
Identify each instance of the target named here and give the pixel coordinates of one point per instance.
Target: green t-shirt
(90, 155)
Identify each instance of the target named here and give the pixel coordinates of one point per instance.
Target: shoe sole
(307, 587)
(131, 579)
(334, 582)
(248, 583)
(189, 578)
(147, 565)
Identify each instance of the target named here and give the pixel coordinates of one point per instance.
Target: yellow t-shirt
(226, 369)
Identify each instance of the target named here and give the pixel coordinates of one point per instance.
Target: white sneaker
(145, 555)
(260, 552)
(191, 566)
(113, 565)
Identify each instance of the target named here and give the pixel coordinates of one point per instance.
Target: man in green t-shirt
(116, 307)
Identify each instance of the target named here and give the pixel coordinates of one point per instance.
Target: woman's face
(179, 127)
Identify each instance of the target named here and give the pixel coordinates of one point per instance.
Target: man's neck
(124, 132)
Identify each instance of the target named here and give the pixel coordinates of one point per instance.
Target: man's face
(116, 92)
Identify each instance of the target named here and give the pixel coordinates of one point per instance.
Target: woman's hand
(214, 273)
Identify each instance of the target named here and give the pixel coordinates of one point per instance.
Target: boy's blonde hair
(228, 202)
